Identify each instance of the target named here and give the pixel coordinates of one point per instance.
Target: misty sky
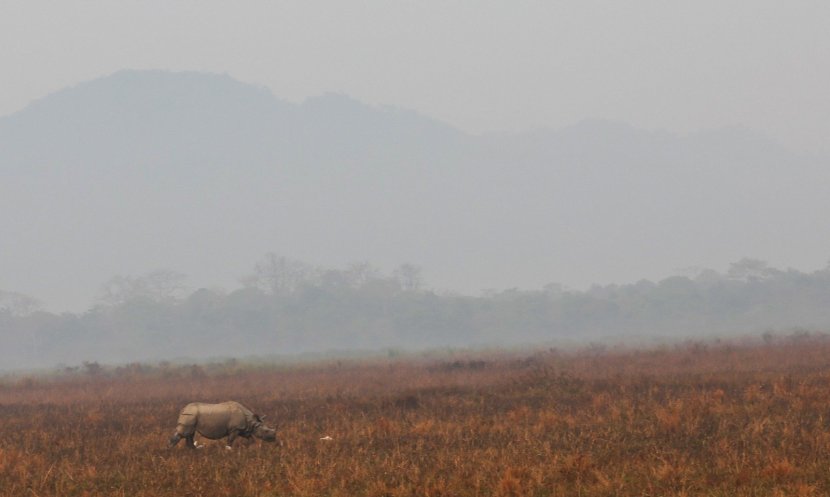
(479, 65)
(575, 207)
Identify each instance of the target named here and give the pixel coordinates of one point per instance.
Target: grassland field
(700, 419)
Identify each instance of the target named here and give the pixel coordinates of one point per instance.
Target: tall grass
(699, 419)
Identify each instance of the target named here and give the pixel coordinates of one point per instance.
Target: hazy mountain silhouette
(203, 174)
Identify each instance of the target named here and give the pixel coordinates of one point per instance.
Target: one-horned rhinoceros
(214, 421)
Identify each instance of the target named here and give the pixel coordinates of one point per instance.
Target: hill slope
(203, 174)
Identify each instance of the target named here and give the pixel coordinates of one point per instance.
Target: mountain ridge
(203, 174)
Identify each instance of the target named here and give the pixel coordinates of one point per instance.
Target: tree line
(286, 306)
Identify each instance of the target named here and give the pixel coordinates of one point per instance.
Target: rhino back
(246, 413)
(218, 420)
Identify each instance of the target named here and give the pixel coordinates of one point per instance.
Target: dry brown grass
(716, 420)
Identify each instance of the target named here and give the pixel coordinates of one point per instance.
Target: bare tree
(361, 273)
(279, 275)
(409, 277)
(157, 286)
(17, 304)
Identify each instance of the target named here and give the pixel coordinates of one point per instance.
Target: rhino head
(262, 431)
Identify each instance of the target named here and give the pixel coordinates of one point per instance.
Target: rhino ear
(262, 417)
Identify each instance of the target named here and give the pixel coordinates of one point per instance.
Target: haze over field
(202, 174)
(474, 167)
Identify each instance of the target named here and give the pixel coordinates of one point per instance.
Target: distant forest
(287, 307)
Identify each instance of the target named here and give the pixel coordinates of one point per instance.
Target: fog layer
(202, 174)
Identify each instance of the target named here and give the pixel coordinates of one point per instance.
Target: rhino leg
(191, 444)
(231, 437)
